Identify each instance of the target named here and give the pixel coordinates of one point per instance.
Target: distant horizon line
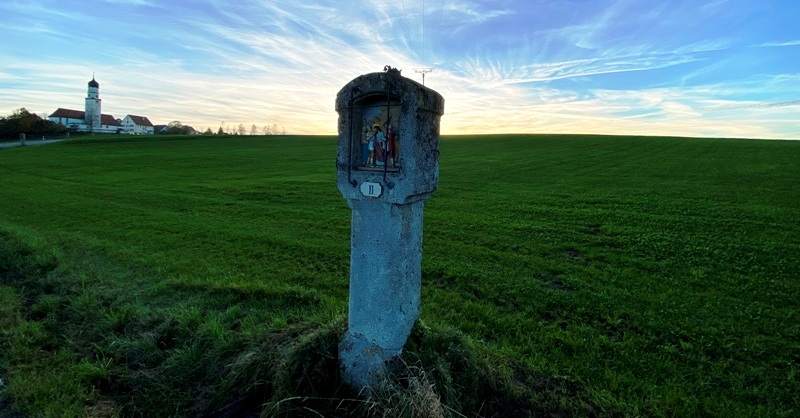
(517, 134)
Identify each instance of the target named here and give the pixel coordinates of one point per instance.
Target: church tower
(93, 113)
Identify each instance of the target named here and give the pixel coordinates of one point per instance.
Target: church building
(93, 120)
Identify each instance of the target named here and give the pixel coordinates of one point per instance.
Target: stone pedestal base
(385, 275)
(363, 363)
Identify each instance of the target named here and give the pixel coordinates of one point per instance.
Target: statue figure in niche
(365, 134)
(378, 141)
(377, 147)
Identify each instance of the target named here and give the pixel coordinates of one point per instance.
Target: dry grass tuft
(407, 393)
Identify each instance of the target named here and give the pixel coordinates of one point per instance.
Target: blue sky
(718, 68)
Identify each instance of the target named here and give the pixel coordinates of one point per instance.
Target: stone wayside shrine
(387, 166)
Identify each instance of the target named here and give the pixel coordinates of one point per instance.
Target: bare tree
(265, 129)
(176, 127)
(254, 130)
(275, 129)
(242, 130)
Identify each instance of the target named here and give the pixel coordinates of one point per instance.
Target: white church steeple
(93, 112)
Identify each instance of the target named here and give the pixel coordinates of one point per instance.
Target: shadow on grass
(142, 360)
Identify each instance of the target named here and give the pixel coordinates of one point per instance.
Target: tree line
(177, 128)
(22, 121)
(273, 129)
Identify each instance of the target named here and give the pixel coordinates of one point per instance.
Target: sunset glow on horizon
(716, 68)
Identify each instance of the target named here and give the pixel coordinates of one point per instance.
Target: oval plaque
(371, 189)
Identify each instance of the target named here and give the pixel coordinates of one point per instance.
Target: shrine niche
(378, 145)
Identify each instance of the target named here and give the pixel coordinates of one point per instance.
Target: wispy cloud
(469, 12)
(795, 42)
(131, 2)
(497, 73)
(610, 66)
(730, 105)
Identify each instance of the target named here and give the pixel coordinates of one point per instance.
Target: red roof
(77, 114)
(140, 120)
(109, 120)
(68, 113)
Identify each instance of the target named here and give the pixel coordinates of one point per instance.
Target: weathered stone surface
(387, 165)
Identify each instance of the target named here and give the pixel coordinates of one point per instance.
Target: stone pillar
(387, 166)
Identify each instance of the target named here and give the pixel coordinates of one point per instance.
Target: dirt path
(28, 142)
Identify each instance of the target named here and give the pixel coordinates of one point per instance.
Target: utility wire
(405, 19)
(439, 25)
(424, 70)
(423, 32)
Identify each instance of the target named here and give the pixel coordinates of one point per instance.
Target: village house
(137, 125)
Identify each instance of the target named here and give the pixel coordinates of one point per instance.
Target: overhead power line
(423, 53)
(405, 19)
(423, 71)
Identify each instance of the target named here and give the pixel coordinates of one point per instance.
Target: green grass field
(562, 276)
